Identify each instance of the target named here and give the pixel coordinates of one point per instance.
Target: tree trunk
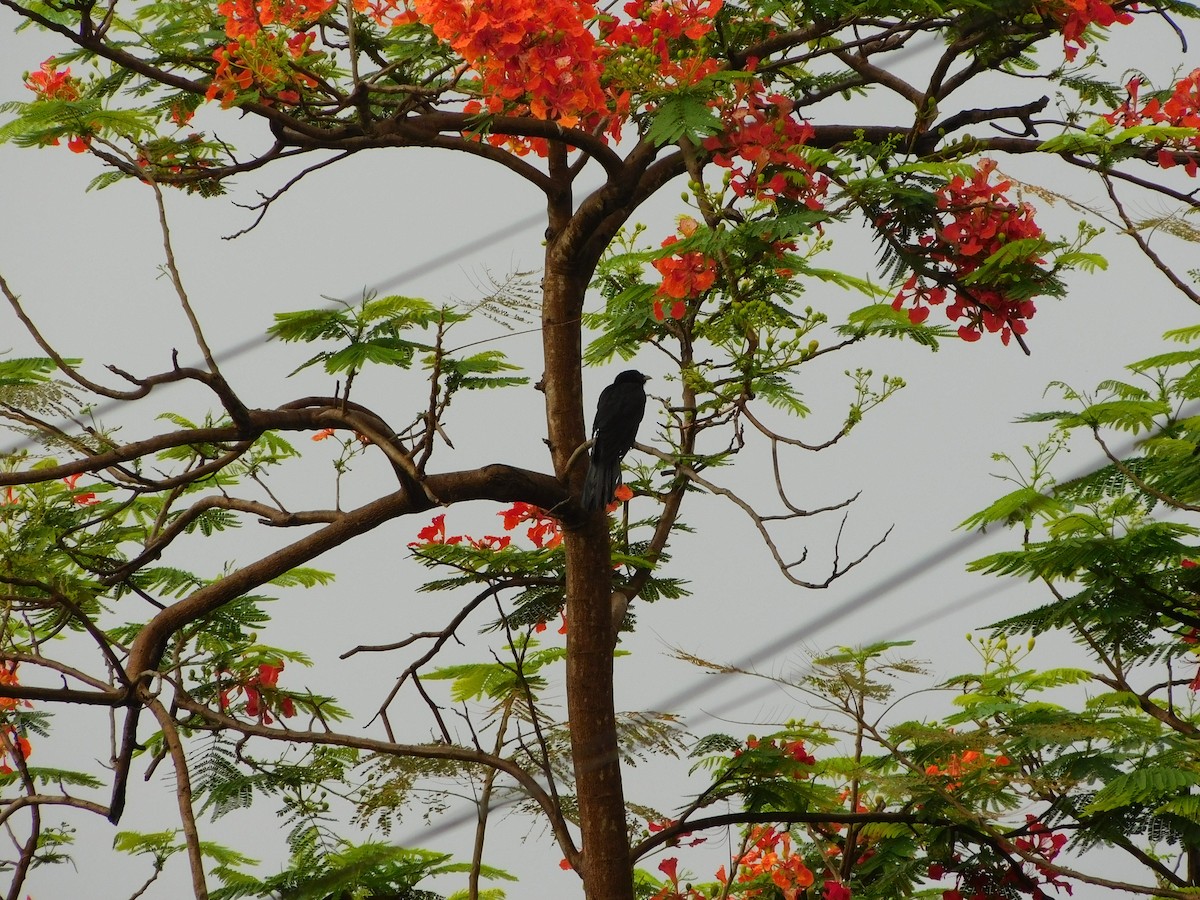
(606, 870)
(607, 874)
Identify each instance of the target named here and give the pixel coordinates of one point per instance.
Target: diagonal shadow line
(802, 632)
(234, 351)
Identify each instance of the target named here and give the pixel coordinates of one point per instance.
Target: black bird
(618, 414)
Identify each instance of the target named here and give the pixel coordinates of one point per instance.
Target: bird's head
(631, 376)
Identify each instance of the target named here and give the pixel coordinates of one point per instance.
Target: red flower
(51, 84)
(266, 678)
(15, 746)
(1076, 15)
(1181, 109)
(835, 890)
(796, 751)
(623, 494)
(487, 542)
(544, 530)
(762, 131)
(83, 498)
(1042, 842)
(669, 868)
(538, 57)
(562, 629)
(978, 220)
(435, 533)
(684, 275)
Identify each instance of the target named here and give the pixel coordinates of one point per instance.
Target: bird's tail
(599, 485)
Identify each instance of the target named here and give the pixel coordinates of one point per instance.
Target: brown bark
(605, 864)
(607, 873)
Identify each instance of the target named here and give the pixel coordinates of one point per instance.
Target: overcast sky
(87, 266)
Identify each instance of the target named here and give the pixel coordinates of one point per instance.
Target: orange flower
(51, 84)
(538, 57)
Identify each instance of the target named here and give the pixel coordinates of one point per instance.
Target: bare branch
(760, 523)
(25, 800)
(386, 748)
(267, 199)
(1134, 232)
(183, 791)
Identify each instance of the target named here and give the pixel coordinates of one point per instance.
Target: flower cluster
(1180, 110)
(246, 18)
(654, 24)
(760, 145)
(789, 757)
(51, 83)
(543, 530)
(261, 61)
(677, 840)
(544, 60)
(255, 689)
(388, 13)
(770, 857)
(268, 38)
(1041, 840)
(685, 275)
(978, 220)
(1074, 16)
(960, 765)
(793, 749)
(974, 882)
(538, 57)
(435, 533)
(14, 743)
(79, 497)
(13, 746)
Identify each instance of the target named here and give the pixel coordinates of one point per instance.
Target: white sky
(87, 267)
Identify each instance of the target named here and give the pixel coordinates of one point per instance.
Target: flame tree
(753, 105)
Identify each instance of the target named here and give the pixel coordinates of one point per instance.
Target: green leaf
(29, 370)
(683, 114)
(882, 319)
(1017, 506)
(1147, 784)
(302, 576)
(1123, 415)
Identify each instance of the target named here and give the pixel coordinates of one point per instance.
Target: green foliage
(881, 319)
(497, 681)
(352, 869)
(369, 332)
(27, 371)
(480, 371)
(683, 114)
(745, 316)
